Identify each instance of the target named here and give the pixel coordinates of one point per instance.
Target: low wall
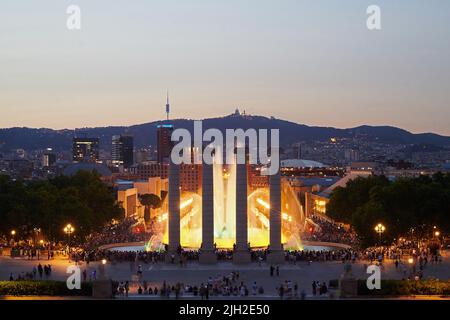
(123, 244)
(327, 244)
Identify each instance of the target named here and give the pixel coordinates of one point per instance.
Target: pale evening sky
(312, 62)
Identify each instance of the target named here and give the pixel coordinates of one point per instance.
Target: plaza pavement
(194, 274)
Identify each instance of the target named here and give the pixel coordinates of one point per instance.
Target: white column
(241, 254)
(207, 253)
(174, 209)
(276, 254)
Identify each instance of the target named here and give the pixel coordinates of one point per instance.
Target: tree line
(407, 207)
(82, 200)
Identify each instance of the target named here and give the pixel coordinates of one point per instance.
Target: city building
(20, 168)
(351, 155)
(190, 179)
(85, 149)
(122, 151)
(164, 142)
(315, 203)
(129, 191)
(150, 169)
(48, 158)
(142, 155)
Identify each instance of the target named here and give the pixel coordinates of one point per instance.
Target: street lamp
(36, 232)
(413, 266)
(69, 230)
(437, 234)
(13, 233)
(379, 228)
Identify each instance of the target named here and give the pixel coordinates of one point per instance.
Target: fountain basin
(307, 246)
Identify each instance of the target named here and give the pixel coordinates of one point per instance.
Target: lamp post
(36, 232)
(413, 266)
(379, 228)
(13, 233)
(437, 234)
(69, 230)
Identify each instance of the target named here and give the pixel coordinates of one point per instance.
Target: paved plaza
(194, 274)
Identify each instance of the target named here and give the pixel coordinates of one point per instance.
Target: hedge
(406, 288)
(42, 288)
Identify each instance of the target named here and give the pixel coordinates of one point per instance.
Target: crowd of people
(342, 255)
(409, 260)
(185, 256)
(115, 233)
(219, 286)
(39, 272)
(319, 288)
(38, 251)
(328, 231)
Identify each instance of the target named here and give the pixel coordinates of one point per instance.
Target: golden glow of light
(437, 233)
(163, 217)
(69, 229)
(284, 215)
(41, 241)
(184, 204)
(410, 260)
(380, 228)
(263, 203)
(224, 181)
(320, 206)
(13, 232)
(104, 261)
(262, 218)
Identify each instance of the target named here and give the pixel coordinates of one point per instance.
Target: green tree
(82, 200)
(149, 201)
(402, 205)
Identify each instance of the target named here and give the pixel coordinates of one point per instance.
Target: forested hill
(145, 134)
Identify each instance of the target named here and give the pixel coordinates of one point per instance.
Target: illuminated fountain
(224, 177)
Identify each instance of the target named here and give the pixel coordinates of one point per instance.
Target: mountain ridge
(145, 133)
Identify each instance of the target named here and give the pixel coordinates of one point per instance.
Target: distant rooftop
(343, 182)
(164, 126)
(301, 163)
(323, 182)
